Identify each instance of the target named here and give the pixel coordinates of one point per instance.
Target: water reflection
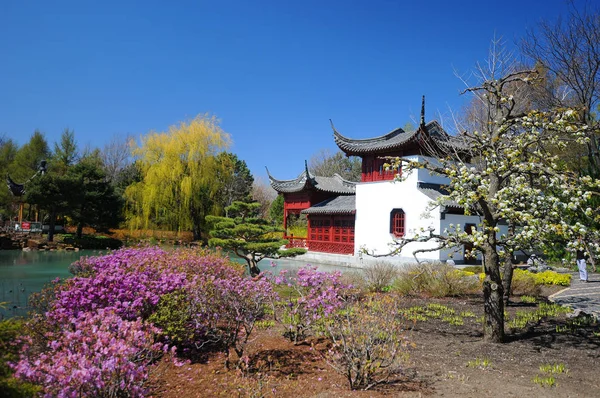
(22, 273)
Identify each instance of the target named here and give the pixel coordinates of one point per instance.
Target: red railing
(295, 242)
(331, 247)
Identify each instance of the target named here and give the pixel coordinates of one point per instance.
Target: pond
(23, 273)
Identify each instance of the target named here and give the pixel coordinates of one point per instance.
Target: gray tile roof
(337, 205)
(435, 191)
(395, 140)
(335, 184)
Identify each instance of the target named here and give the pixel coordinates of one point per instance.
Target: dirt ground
(445, 361)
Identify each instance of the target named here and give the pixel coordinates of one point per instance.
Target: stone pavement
(580, 295)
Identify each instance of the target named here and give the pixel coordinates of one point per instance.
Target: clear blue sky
(273, 72)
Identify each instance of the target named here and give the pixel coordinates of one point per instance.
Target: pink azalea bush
(316, 295)
(238, 304)
(104, 327)
(97, 354)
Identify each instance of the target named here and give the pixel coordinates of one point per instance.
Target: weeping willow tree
(180, 177)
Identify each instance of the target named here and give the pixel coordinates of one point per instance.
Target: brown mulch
(438, 363)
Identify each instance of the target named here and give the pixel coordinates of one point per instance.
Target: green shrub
(436, 280)
(297, 231)
(552, 278)
(379, 276)
(291, 252)
(368, 342)
(476, 269)
(93, 242)
(523, 284)
(173, 316)
(10, 331)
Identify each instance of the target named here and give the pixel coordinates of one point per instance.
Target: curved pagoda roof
(398, 139)
(306, 180)
(336, 205)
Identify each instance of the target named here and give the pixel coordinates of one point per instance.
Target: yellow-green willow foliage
(180, 177)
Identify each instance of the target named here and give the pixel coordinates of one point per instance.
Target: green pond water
(23, 273)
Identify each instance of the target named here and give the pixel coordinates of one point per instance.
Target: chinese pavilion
(345, 217)
(328, 203)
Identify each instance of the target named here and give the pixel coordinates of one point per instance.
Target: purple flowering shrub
(238, 303)
(103, 328)
(97, 354)
(316, 295)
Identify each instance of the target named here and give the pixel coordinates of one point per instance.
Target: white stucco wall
(424, 175)
(376, 200)
(374, 203)
(457, 253)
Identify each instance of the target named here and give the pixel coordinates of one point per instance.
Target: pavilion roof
(435, 191)
(337, 205)
(306, 179)
(398, 139)
(15, 189)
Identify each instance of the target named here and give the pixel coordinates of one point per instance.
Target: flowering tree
(507, 173)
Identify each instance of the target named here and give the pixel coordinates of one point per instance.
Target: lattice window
(320, 229)
(397, 222)
(343, 230)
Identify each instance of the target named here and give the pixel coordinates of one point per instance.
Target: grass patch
(522, 319)
(479, 363)
(528, 299)
(436, 311)
(549, 381)
(555, 368)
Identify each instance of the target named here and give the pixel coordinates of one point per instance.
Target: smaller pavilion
(329, 204)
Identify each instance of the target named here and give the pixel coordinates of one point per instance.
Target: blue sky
(273, 72)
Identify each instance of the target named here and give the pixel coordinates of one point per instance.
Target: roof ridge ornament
(308, 176)
(269, 174)
(333, 127)
(19, 189)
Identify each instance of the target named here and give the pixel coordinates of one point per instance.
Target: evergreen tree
(276, 210)
(248, 236)
(94, 202)
(65, 152)
(28, 157)
(236, 179)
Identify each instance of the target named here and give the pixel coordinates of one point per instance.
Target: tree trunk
(51, 225)
(493, 325)
(196, 225)
(252, 265)
(508, 268)
(507, 278)
(79, 230)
